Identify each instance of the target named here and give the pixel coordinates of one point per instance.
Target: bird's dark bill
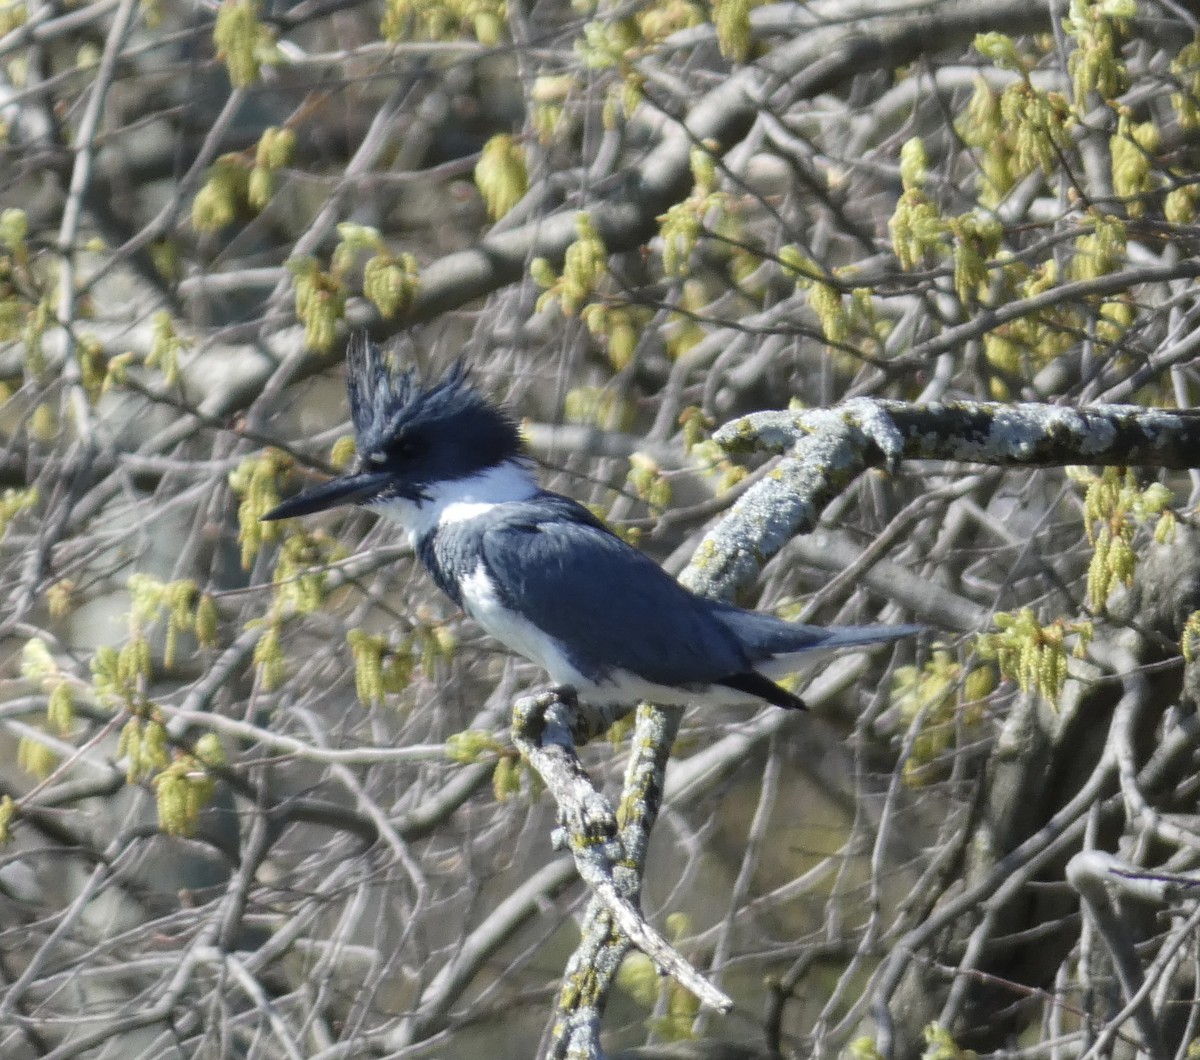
(345, 489)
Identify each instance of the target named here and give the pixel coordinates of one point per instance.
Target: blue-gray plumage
(537, 570)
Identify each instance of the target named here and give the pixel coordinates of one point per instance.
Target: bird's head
(410, 437)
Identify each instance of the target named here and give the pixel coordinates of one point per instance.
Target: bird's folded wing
(608, 605)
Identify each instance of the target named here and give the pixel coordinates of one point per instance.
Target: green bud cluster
(225, 189)
(390, 281)
(40, 319)
(548, 100)
(1114, 319)
(243, 42)
(471, 746)
(940, 1045)
(13, 16)
(14, 228)
(1033, 655)
(274, 151)
(917, 226)
(1113, 508)
(301, 570)
(143, 744)
(8, 812)
(657, 22)
(268, 656)
(732, 21)
(36, 757)
(382, 668)
(715, 463)
(619, 326)
(1039, 123)
(28, 289)
(166, 347)
(982, 127)
(1100, 251)
(598, 406)
(320, 302)
(1015, 131)
(1001, 50)
(39, 668)
(60, 709)
(584, 265)
(863, 1048)
(368, 650)
(696, 424)
(647, 480)
(1179, 205)
(976, 241)
(1132, 149)
(477, 745)
(946, 697)
(234, 182)
(1025, 345)
(685, 327)
(37, 664)
(681, 227)
(1189, 641)
(678, 1018)
(60, 597)
(639, 978)
(116, 676)
(186, 786)
(610, 43)
(93, 368)
(256, 481)
(914, 164)
(43, 424)
(13, 501)
(501, 174)
(151, 599)
(824, 299)
(1185, 67)
(1095, 63)
(341, 454)
(585, 262)
(443, 20)
(507, 776)
(675, 1008)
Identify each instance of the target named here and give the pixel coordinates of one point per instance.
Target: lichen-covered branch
(546, 729)
(826, 449)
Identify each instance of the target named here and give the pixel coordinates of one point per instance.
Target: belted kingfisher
(537, 570)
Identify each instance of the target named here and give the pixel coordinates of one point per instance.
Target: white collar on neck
(461, 499)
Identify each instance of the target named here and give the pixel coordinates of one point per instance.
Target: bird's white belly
(483, 604)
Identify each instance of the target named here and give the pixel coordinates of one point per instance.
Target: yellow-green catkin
(1132, 149)
(320, 302)
(1033, 655)
(732, 21)
(501, 174)
(243, 42)
(8, 811)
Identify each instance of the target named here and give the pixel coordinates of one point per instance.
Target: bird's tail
(764, 636)
(797, 647)
(858, 636)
